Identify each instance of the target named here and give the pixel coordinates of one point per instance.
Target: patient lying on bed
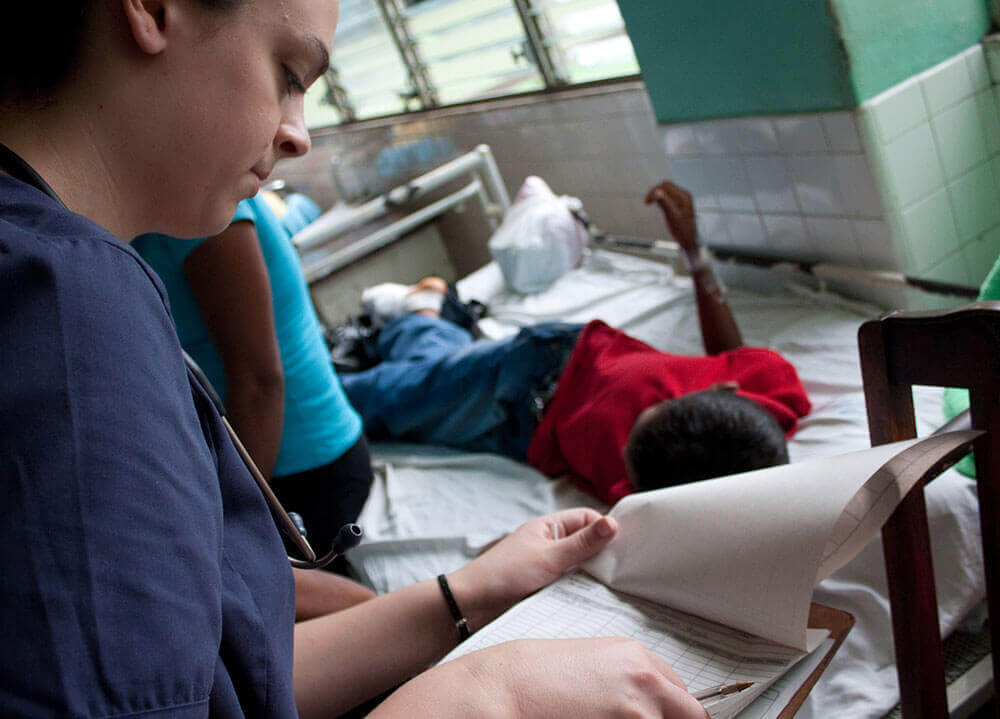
(587, 402)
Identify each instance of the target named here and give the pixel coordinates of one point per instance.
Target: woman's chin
(206, 227)
(208, 217)
(220, 215)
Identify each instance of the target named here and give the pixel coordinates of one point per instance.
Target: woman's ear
(147, 21)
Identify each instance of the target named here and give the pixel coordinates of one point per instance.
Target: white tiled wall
(934, 144)
(909, 181)
(796, 186)
(598, 144)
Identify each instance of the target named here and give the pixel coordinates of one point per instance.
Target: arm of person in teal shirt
(228, 278)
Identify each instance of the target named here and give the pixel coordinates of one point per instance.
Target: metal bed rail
(486, 186)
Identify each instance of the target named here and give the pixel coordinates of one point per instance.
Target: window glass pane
(473, 49)
(366, 57)
(319, 112)
(589, 39)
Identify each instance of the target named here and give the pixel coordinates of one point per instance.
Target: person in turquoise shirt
(243, 312)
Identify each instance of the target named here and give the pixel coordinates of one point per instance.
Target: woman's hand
(392, 637)
(601, 678)
(534, 555)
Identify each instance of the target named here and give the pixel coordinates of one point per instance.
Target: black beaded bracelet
(461, 623)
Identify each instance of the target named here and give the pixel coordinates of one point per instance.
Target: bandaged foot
(390, 300)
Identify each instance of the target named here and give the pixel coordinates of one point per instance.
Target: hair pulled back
(41, 42)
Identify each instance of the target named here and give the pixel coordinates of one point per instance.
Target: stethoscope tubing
(349, 535)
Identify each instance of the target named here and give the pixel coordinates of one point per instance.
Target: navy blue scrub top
(141, 571)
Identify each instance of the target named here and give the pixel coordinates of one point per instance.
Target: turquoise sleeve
(245, 211)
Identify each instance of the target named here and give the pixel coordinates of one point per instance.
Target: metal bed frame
(486, 187)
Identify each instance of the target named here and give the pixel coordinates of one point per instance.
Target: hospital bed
(431, 508)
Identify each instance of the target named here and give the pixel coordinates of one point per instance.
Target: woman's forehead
(318, 17)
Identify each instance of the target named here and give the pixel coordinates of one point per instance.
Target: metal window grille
(395, 56)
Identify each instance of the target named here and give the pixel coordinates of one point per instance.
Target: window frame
(424, 94)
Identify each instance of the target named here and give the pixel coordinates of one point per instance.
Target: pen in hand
(721, 690)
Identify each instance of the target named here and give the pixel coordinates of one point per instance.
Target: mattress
(432, 508)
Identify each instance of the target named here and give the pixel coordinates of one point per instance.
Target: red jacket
(611, 378)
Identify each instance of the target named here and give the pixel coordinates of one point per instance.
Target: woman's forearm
(345, 658)
(319, 593)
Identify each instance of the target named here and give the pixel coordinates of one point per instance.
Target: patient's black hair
(701, 435)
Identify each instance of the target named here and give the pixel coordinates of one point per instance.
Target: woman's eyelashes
(293, 83)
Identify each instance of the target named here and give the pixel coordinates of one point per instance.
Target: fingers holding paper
(529, 558)
(604, 677)
(575, 535)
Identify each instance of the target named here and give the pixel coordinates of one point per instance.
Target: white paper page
(775, 698)
(703, 654)
(869, 509)
(742, 551)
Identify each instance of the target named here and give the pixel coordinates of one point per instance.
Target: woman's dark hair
(703, 435)
(40, 44)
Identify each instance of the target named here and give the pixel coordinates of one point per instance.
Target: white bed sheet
(432, 508)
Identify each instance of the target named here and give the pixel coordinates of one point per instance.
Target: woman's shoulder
(45, 248)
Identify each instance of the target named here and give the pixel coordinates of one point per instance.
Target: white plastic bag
(539, 240)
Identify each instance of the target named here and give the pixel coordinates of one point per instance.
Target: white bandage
(702, 263)
(701, 260)
(390, 300)
(423, 300)
(385, 301)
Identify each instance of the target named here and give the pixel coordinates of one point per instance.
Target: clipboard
(838, 623)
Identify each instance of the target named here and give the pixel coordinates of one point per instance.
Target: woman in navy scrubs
(141, 572)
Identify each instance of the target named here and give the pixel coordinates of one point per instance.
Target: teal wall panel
(889, 40)
(723, 58)
(719, 58)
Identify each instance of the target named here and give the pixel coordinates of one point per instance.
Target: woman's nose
(293, 136)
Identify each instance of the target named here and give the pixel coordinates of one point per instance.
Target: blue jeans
(436, 385)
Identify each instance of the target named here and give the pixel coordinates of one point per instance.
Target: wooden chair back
(956, 348)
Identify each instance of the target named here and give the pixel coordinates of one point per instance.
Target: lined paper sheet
(725, 568)
(776, 697)
(703, 654)
(868, 510)
(747, 550)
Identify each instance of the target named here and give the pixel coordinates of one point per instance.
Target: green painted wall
(722, 58)
(719, 58)
(887, 41)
